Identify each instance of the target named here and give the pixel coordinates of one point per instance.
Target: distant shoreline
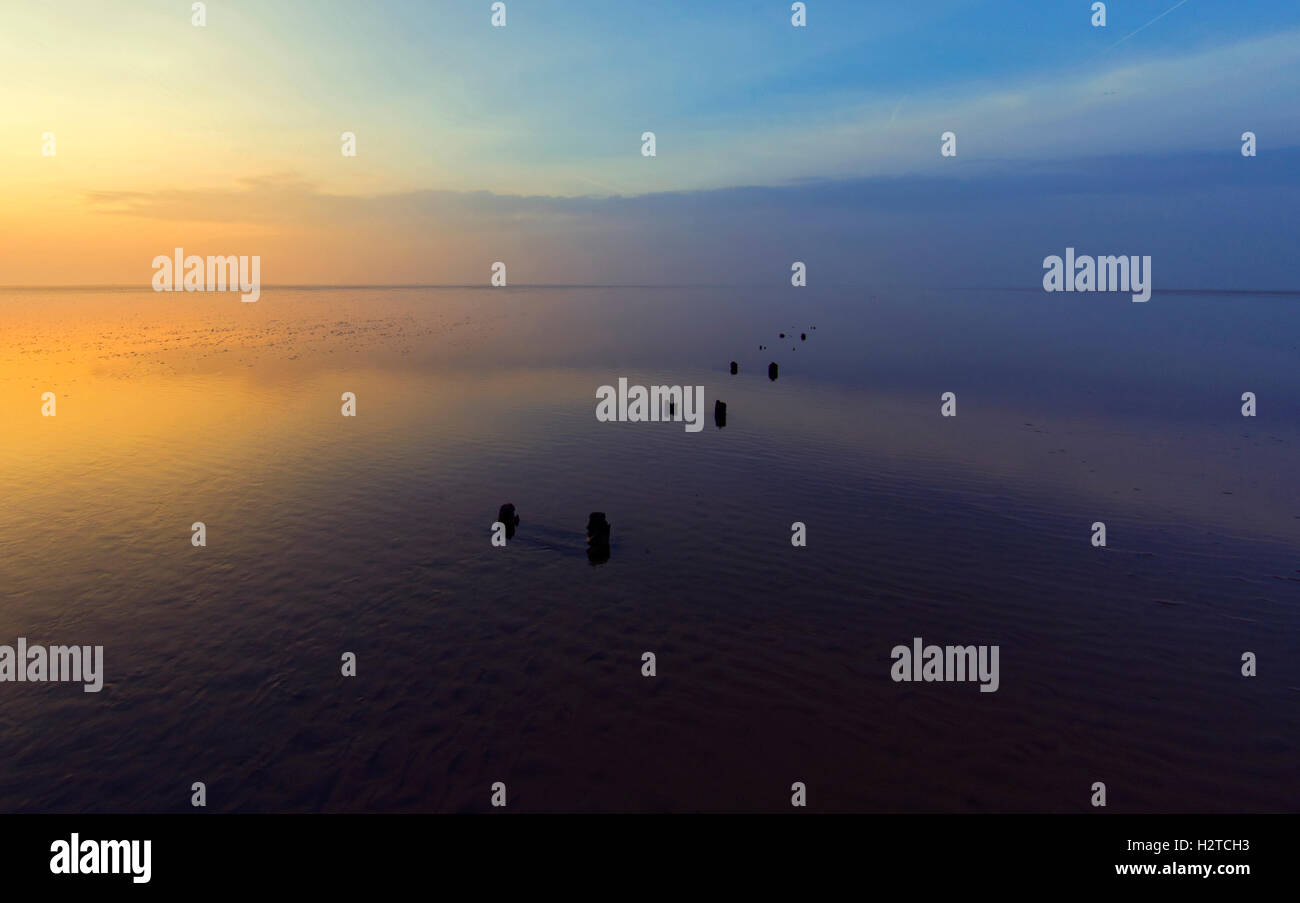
(664, 285)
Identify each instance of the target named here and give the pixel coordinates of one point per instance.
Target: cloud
(1209, 219)
(1165, 104)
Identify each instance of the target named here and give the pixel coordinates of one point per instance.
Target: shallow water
(328, 534)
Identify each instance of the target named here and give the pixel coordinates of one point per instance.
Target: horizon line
(325, 286)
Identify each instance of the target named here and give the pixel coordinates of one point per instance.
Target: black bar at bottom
(335, 853)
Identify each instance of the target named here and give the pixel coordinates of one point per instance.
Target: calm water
(522, 665)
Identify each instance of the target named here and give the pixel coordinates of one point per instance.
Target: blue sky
(736, 95)
(774, 142)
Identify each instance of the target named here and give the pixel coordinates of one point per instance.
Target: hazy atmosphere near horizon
(982, 321)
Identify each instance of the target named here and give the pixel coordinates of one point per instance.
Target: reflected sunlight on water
(476, 664)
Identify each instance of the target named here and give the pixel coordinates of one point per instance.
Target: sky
(773, 143)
